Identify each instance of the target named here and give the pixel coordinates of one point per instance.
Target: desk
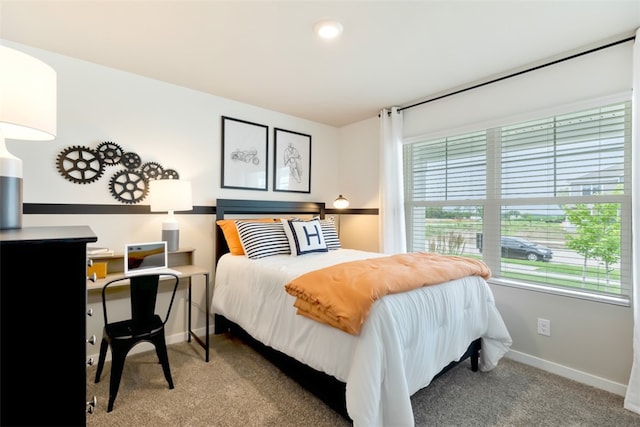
(180, 260)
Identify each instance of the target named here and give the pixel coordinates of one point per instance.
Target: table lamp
(27, 112)
(169, 195)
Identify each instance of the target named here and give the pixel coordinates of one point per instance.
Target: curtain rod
(508, 76)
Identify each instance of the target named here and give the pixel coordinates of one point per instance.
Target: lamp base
(10, 188)
(10, 202)
(172, 238)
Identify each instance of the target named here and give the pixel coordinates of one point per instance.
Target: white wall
(359, 159)
(176, 127)
(590, 342)
(541, 92)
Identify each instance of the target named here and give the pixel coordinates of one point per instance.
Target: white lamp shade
(27, 97)
(167, 195)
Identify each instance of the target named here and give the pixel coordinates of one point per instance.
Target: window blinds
(561, 183)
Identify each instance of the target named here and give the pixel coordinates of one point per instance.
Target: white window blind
(449, 168)
(545, 202)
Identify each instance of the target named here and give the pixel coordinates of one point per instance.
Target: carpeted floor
(238, 387)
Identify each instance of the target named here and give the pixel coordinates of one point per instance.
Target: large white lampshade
(27, 111)
(169, 195)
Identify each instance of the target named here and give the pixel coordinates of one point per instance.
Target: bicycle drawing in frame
(244, 154)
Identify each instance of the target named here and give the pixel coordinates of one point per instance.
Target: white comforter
(405, 341)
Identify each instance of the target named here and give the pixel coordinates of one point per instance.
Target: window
(545, 202)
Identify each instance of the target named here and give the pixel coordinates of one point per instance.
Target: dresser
(43, 326)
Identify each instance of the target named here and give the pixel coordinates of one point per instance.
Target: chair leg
(163, 357)
(103, 355)
(117, 366)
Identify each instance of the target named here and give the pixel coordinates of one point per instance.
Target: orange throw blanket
(342, 295)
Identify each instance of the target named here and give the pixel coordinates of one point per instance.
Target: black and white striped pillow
(262, 239)
(330, 234)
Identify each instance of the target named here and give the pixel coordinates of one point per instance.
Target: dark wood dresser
(43, 309)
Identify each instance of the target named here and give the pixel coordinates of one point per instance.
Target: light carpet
(238, 387)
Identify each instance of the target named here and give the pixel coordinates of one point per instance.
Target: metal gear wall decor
(152, 170)
(131, 161)
(84, 165)
(129, 186)
(170, 174)
(81, 165)
(110, 153)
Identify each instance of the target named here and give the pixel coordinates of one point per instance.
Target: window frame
(494, 201)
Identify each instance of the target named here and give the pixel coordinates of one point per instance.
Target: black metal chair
(144, 325)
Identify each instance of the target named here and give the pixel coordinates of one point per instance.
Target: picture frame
(291, 161)
(245, 153)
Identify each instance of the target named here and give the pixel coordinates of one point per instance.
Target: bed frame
(326, 387)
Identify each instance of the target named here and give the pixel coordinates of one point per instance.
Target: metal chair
(144, 325)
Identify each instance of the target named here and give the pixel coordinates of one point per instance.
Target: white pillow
(304, 237)
(262, 239)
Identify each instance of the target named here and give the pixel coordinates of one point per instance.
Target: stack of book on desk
(95, 251)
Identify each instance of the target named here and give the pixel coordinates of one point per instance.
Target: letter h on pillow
(304, 236)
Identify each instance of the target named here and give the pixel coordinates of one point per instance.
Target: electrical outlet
(544, 327)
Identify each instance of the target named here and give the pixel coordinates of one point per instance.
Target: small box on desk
(100, 268)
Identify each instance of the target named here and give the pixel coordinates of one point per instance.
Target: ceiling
(265, 53)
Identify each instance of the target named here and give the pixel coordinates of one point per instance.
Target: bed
(406, 340)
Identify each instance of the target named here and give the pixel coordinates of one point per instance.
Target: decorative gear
(170, 174)
(151, 170)
(131, 161)
(129, 186)
(110, 153)
(79, 164)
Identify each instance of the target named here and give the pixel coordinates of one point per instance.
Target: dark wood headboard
(260, 207)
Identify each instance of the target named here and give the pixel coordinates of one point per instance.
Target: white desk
(180, 260)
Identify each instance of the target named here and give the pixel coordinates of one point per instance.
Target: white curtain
(392, 221)
(632, 399)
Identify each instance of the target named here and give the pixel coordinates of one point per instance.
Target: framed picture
(291, 161)
(244, 154)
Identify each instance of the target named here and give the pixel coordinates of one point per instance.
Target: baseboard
(566, 372)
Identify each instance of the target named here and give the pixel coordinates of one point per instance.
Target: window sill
(571, 293)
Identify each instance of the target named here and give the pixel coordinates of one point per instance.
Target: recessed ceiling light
(328, 29)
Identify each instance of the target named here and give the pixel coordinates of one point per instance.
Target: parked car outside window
(517, 247)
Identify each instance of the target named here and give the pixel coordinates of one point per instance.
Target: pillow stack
(264, 237)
